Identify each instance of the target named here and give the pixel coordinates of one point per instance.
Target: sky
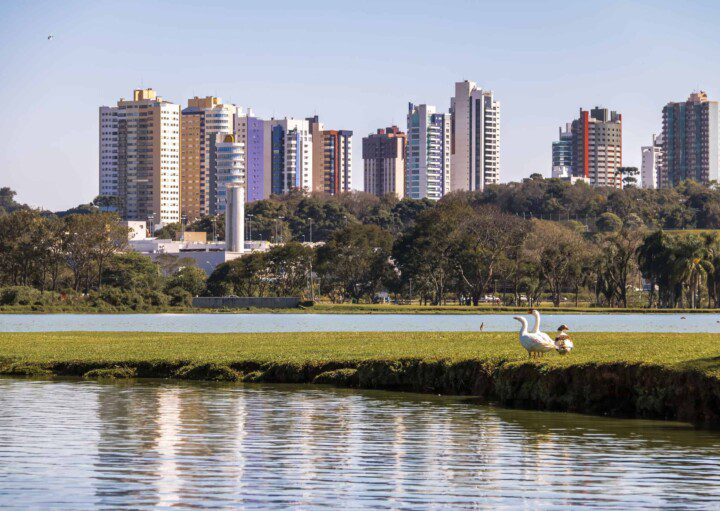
(356, 64)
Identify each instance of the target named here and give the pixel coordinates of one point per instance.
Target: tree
(248, 275)
(553, 250)
(289, 268)
(609, 222)
(190, 278)
(132, 272)
(629, 175)
(355, 261)
(481, 239)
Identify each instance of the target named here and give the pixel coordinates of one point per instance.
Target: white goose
(536, 328)
(534, 343)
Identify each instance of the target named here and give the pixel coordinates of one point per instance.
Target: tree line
(466, 248)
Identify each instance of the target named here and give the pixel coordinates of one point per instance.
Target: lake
(221, 323)
(68, 444)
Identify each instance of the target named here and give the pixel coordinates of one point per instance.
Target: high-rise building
(229, 168)
(332, 158)
(428, 153)
(108, 151)
(475, 137)
(690, 141)
(384, 162)
(201, 121)
(251, 133)
(317, 130)
(597, 147)
(337, 161)
(288, 154)
(562, 153)
(651, 166)
(147, 151)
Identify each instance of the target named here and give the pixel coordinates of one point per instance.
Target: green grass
(668, 350)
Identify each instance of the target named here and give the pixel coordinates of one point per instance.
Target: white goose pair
(536, 342)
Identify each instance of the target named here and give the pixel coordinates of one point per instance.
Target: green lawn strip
(674, 376)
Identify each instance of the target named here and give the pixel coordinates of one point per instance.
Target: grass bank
(347, 308)
(667, 376)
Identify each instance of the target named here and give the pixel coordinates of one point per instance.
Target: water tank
(235, 218)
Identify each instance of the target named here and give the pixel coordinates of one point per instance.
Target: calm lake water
(220, 323)
(86, 445)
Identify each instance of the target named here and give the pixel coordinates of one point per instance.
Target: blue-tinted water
(220, 323)
(158, 445)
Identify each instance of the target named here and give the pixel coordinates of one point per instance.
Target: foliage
(190, 278)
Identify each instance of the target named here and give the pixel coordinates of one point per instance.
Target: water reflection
(85, 445)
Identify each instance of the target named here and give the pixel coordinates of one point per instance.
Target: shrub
(155, 298)
(20, 295)
(179, 297)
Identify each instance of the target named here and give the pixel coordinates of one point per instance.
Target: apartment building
(384, 162)
(428, 153)
(690, 141)
(651, 163)
(108, 157)
(562, 153)
(288, 154)
(475, 118)
(597, 147)
(250, 132)
(143, 136)
(202, 120)
(229, 168)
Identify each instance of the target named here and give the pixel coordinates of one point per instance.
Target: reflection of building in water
(168, 420)
(127, 431)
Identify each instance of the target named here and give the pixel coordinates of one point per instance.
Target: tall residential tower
(690, 141)
(428, 153)
(146, 146)
(201, 121)
(651, 166)
(384, 162)
(475, 137)
(597, 147)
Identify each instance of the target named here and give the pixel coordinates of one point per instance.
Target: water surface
(86, 445)
(222, 323)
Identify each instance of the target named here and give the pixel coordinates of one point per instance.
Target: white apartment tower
(288, 154)
(147, 151)
(475, 137)
(428, 153)
(108, 151)
(229, 168)
(651, 164)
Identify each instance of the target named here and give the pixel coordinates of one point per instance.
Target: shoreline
(669, 379)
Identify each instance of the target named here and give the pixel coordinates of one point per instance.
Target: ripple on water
(85, 445)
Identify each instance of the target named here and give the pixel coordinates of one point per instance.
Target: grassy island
(669, 376)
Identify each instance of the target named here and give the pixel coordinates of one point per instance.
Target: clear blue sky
(355, 64)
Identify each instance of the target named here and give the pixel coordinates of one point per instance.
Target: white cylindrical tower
(235, 218)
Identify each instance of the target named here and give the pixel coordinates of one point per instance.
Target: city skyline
(530, 57)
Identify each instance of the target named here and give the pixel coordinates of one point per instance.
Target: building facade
(201, 121)
(428, 153)
(651, 163)
(690, 141)
(288, 151)
(562, 153)
(250, 132)
(108, 151)
(384, 162)
(229, 168)
(147, 151)
(337, 161)
(597, 147)
(475, 117)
